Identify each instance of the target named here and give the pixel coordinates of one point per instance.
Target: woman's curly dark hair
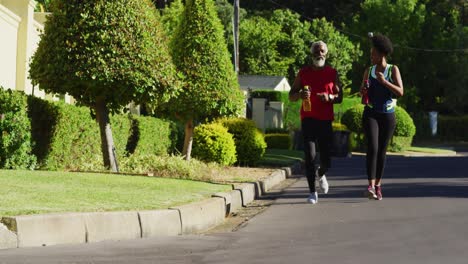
(382, 44)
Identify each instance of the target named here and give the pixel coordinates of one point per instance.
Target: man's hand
(305, 93)
(323, 97)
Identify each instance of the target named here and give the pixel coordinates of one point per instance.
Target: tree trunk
(187, 151)
(107, 141)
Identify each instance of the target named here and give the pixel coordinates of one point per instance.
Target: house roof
(259, 81)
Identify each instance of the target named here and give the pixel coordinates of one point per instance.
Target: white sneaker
(323, 184)
(313, 198)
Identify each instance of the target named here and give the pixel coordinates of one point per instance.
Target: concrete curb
(160, 223)
(8, 239)
(112, 226)
(232, 199)
(200, 216)
(45, 230)
(53, 229)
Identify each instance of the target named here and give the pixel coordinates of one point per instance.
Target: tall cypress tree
(211, 88)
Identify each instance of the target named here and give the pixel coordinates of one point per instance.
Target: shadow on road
(405, 177)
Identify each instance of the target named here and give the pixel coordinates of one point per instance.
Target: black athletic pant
(316, 132)
(378, 129)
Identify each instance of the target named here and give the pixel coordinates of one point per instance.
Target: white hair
(319, 43)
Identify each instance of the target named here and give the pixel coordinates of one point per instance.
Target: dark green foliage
(451, 128)
(435, 26)
(352, 118)
(15, 132)
(278, 141)
(200, 53)
(276, 130)
(110, 49)
(250, 142)
(398, 143)
(213, 143)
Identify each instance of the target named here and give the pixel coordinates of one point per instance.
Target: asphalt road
(422, 219)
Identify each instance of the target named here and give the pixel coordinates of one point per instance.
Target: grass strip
(37, 192)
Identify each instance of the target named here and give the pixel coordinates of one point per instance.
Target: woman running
(381, 83)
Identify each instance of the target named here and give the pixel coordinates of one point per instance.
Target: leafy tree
(43, 5)
(433, 80)
(171, 17)
(226, 15)
(341, 51)
(338, 11)
(105, 54)
(211, 89)
(259, 39)
(280, 44)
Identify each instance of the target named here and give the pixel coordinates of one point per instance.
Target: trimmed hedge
(278, 141)
(213, 143)
(15, 132)
(352, 118)
(250, 142)
(271, 95)
(67, 137)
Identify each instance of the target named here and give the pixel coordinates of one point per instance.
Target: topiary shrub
(250, 142)
(213, 143)
(278, 141)
(402, 137)
(15, 132)
(404, 131)
(352, 118)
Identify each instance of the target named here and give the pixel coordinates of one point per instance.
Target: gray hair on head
(318, 43)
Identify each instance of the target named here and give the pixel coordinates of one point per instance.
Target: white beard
(318, 62)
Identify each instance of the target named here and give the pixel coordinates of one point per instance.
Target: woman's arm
(397, 87)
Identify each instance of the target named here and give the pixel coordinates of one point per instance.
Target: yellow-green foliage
(250, 142)
(213, 143)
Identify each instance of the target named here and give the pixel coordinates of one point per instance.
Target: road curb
(193, 218)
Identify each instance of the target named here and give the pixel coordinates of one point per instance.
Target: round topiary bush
(352, 118)
(250, 141)
(404, 131)
(213, 143)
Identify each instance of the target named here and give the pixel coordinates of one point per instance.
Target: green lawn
(430, 150)
(33, 192)
(281, 157)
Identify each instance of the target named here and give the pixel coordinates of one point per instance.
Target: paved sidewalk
(422, 219)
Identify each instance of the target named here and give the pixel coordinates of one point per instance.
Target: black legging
(378, 129)
(316, 132)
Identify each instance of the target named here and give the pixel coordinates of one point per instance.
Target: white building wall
(9, 24)
(19, 37)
